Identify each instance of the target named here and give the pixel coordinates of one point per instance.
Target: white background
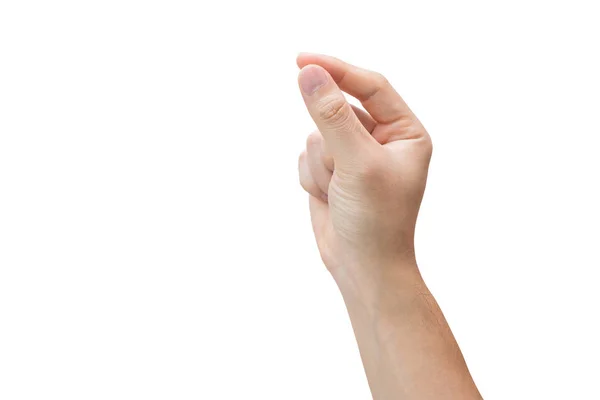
(155, 243)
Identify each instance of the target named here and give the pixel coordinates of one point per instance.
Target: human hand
(365, 171)
(366, 174)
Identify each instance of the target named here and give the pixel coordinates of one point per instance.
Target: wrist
(380, 284)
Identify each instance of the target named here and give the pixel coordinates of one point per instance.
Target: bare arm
(365, 171)
(407, 348)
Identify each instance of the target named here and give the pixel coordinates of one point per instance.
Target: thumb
(344, 134)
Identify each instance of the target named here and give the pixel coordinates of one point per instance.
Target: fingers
(316, 164)
(326, 157)
(319, 209)
(319, 215)
(315, 173)
(345, 136)
(373, 90)
(365, 119)
(306, 180)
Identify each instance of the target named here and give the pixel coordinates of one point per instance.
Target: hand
(366, 174)
(365, 171)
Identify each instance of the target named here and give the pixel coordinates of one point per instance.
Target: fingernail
(312, 78)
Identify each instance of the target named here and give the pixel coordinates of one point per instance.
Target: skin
(365, 172)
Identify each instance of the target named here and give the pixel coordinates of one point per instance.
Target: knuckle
(377, 82)
(306, 182)
(327, 160)
(301, 159)
(307, 186)
(380, 80)
(314, 139)
(334, 110)
(427, 146)
(301, 162)
(305, 178)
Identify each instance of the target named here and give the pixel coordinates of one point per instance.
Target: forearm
(407, 348)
